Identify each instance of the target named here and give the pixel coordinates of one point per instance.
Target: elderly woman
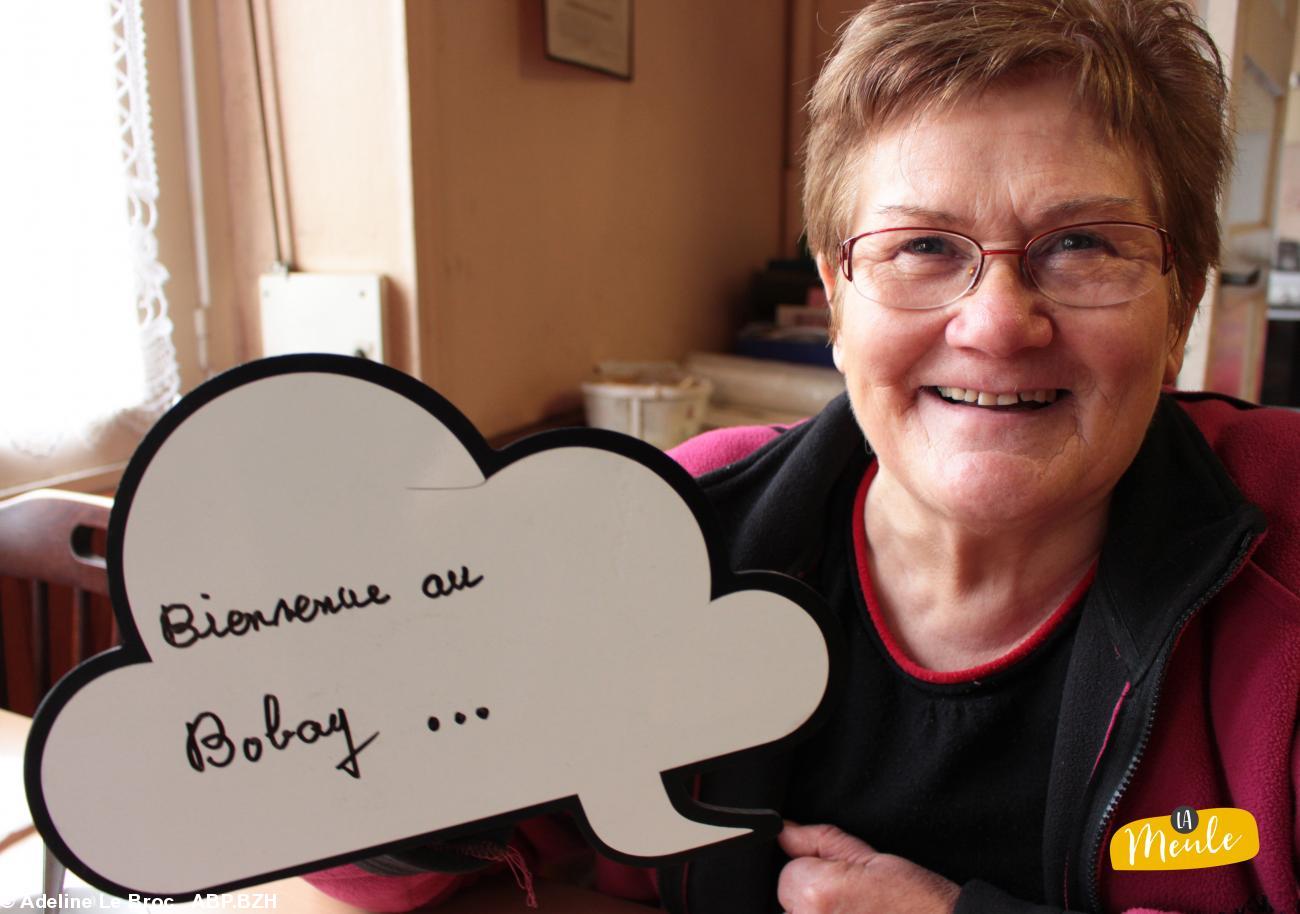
(1060, 608)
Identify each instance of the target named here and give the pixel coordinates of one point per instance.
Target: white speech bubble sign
(348, 624)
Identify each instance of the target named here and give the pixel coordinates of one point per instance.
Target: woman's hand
(832, 872)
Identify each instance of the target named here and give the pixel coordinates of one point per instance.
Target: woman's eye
(1076, 242)
(930, 246)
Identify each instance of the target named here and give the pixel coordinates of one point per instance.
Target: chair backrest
(54, 608)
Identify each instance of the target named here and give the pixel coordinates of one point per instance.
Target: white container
(783, 387)
(654, 401)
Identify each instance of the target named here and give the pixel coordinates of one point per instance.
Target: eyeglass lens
(1083, 266)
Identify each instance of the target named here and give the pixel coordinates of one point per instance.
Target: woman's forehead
(1066, 209)
(1022, 153)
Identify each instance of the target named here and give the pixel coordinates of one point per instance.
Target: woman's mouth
(984, 399)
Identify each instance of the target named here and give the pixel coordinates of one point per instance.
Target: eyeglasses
(1088, 265)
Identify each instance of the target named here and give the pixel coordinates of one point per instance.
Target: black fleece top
(949, 771)
(1178, 530)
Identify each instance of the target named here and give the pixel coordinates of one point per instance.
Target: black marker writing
(208, 743)
(434, 587)
(180, 630)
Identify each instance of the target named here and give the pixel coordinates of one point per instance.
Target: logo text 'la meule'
(1223, 835)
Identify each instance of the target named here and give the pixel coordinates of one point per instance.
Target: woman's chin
(991, 490)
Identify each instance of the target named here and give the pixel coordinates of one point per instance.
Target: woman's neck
(955, 596)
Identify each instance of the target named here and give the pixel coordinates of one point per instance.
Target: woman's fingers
(824, 841)
(832, 872)
(809, 885)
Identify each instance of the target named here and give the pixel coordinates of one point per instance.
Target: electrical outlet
(322, 312)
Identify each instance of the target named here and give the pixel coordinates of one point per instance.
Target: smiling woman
(1035, 477)
(1060, 611)
(1013, 207)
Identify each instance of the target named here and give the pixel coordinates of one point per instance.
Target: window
(87, 354)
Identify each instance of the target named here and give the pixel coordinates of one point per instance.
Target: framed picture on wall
(596, 34)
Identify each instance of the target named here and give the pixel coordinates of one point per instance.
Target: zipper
(1094, 855)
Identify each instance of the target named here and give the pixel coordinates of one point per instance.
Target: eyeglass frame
(1022, 254)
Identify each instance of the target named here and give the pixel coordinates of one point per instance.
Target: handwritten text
(208, 743)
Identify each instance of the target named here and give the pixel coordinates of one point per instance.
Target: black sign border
(764, 824)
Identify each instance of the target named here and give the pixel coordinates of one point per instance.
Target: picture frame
(595, 34)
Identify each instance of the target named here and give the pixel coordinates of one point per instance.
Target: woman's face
(1018, 161)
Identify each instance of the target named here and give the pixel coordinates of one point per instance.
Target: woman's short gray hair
(1147, 70)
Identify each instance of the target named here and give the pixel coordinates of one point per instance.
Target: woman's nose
(1003, 314)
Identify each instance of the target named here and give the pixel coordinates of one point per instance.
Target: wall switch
(322, 312)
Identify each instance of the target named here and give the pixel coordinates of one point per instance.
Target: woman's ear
(1178, 343)
(829, 276)
(1174, 361)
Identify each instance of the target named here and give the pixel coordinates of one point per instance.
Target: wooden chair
(54, 608)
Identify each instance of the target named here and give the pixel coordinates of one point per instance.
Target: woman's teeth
(986, 398)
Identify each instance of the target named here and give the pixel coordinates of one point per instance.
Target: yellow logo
(1187, 840)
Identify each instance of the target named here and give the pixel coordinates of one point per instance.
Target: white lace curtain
(86, 355)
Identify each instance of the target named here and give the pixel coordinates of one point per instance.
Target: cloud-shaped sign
(349, 624)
